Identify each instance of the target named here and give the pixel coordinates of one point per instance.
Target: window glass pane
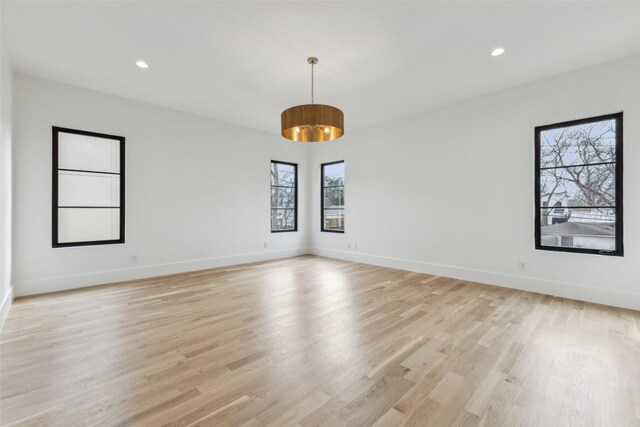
(333, 174)
(586, 228)
(283, 197)
(578, 186)
(91, 224)
(334, 197)
(283, 219)
(334, 219)
(283, 175)
(582, 144)
(88, 189)
(88, 153)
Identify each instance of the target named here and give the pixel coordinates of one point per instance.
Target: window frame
(295, 207)
(619, 249)
(322, 187)
(56, 130)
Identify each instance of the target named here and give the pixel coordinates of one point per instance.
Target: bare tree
(581, 165)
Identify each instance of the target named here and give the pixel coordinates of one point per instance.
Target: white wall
(197, 190)
(461, 179)
(6, 290)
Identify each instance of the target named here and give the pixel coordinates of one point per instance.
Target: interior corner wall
(6, 290)
(451, 191)
(197, 190)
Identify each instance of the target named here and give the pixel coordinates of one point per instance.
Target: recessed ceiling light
(142, 64)
(497, 51)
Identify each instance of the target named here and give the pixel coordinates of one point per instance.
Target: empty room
(319, 213)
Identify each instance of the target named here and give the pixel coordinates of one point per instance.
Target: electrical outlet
(133, 259)
(266, 245)
(348, 245)
(522, 266)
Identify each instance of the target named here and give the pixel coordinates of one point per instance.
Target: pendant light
(312, 122)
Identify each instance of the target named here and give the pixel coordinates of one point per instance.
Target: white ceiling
(244, 62)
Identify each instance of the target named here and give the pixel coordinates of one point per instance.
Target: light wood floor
(312, 341)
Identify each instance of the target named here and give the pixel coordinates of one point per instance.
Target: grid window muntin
(324, 210)
(56, 131)
(278, 210)
(613, 212)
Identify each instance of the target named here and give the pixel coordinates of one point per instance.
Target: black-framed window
(578, 186)
(332, 197)
(284, 197)
(88, 188)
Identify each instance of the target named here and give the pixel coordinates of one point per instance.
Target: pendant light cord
(312, 82)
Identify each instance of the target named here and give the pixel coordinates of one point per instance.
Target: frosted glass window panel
(88, 189)
(88, 153)
(88, 225)
(88, 184)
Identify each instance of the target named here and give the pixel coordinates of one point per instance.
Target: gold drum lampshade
(312, 123)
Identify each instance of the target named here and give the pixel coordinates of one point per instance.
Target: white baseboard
(5, 306)
(561, 289)
(59, 283)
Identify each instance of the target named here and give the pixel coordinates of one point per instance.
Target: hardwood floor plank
(314, 341)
